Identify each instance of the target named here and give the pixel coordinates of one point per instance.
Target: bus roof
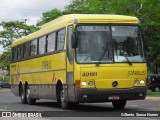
(77, 18)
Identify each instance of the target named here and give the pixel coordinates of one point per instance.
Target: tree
(14, 30)
(87, 7)
(4, 59)
(49, 16)
(146, 10)
(150, 16)
(75, 7)
(125, 7)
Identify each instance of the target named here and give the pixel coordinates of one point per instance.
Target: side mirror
(74, 40)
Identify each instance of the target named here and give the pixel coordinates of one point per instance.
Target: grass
(153, 94)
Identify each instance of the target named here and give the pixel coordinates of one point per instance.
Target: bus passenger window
(20, 52)
(42, 45)
(34, 47)
(60, 39)
(51, 42)
(14, 53)
(26, 49)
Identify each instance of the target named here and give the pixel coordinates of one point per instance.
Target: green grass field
(153, 94)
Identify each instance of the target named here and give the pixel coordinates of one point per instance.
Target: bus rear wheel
(30, 101)
(63, 99)
(119, 104)
(23, 95)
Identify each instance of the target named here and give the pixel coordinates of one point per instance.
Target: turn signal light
(77, 84)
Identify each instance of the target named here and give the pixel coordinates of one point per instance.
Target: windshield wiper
(129, 62)
(102, 56)
(86, 58)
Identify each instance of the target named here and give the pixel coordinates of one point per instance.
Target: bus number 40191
(86, 74)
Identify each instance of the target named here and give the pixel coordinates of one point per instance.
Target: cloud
(32, 10)
(12, 10)
(37, 4)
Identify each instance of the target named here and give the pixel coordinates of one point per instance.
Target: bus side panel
(53, 69)
(14, 79)
(41, 74)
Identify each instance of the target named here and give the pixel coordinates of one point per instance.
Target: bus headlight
(88, 84)
(139, 82)
(83, 84)
(142, 82)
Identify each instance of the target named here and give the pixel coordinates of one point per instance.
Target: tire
(156, 89)
(119, 104)
(30, 101)
(63, 99)
(23, 95)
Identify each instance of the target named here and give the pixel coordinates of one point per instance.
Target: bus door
(70, 61)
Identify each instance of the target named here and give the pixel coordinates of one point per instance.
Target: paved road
(9, 102)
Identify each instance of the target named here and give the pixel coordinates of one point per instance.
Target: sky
(12, 10)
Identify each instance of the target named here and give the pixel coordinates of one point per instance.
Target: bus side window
(34, 47)
(42, 45)
(60, 39)
(26, 49)
(51, 40)
(14, 53)
(20, 52)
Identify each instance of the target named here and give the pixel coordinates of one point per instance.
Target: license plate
(113, 98)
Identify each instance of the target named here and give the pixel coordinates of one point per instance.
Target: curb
(152, 98)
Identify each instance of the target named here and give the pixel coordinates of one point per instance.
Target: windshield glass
(106, 44)
(127, 42)
(92, 42)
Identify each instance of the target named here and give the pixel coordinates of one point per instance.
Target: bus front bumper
(105, 95)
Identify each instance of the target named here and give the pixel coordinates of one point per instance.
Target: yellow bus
(80, 58)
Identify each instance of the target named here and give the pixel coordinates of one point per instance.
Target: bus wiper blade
(102, 56)
(86, 58)
(129, 62)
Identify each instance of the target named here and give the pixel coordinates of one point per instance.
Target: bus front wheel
(63, 99)
(119, 104)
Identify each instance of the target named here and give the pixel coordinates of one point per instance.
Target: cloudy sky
(11, 10)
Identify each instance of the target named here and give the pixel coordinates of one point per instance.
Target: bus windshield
(108, 44)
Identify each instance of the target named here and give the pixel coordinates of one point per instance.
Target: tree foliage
(126, 7)
(150, 16)
(148, 11)
(4, 59)
(12, 31)
(48, 16)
